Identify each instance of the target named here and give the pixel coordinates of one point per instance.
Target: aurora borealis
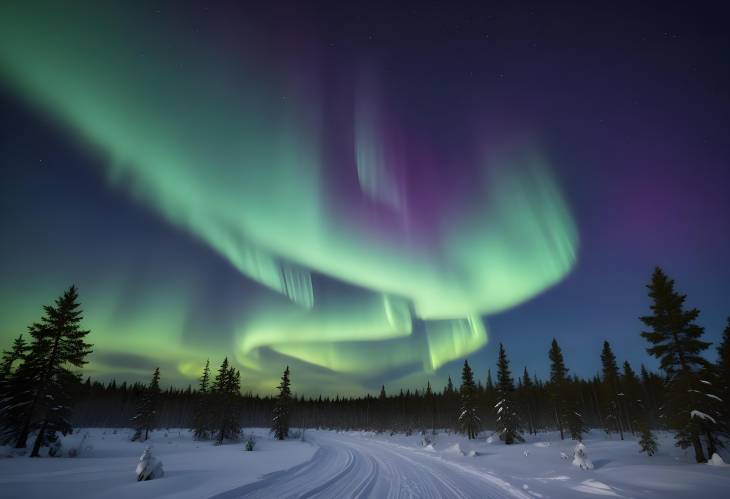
(273, 186)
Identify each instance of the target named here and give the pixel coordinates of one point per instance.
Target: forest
(42, 392)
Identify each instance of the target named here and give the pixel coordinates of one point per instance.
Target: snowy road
(354, 466)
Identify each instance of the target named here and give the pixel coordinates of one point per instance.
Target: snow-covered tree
(675, 341)
(723, 373)
(580, 457)
(280, 420)
(145, 417)
(508, 424)
(149, 467)
(468, 419)
(201, 417)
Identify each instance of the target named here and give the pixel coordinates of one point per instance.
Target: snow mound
(716, 460)
(455, 449)
(149, 467)
(580, 457)
(430, 448)
(542, 444)
(473, 453)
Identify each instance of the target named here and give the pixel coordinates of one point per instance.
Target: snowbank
(107, 457)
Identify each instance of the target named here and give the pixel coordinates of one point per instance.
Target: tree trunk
(559, 423)
(699, 454)
(711, 447)
(22, 441)
(619, 423)
(39, 439)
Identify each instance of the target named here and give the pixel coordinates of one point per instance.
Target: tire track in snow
(347, 466)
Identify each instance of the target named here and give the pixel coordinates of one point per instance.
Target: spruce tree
(576, 423)
(14, 392)
(144, 420)
(508, 424)
(611, 388)
(528, 404)
(468, 418)
(40, 399)
(17, 353)
(675, 341)
(647, 442)
(431, 401)
(449, 386)
(280, 421)
(226, 391)
(723, 373)
(201, 419)
(632, 396)
(559, 387)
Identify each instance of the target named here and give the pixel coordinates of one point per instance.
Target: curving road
(352, 466)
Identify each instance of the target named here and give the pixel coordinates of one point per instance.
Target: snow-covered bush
(76, 450)
(580, 457)
(149, 467)
(716, 460)
(250, 443)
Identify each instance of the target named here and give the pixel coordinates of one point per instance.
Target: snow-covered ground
(363, 464)
(105, 468)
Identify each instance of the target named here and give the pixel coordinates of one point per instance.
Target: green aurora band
(208, 143)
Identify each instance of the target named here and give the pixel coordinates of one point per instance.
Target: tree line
(689, 396)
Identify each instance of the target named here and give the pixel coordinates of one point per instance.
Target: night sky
(369, 193)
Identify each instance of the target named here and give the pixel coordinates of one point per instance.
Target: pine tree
(651, 386)
(226, 391)
(576, 423)
(708, 412)
(508, 424)
(468, 418)
(431, 401)
(449, 386)
(723, 373)
(201, 420)
(144, 420)
(280, 421)
(611, 388)
(632, 396)
(16, 353)
(647, 442)
(559, 387)
(14, 394)
(527, 396)
(39, 389)
(675, 341)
